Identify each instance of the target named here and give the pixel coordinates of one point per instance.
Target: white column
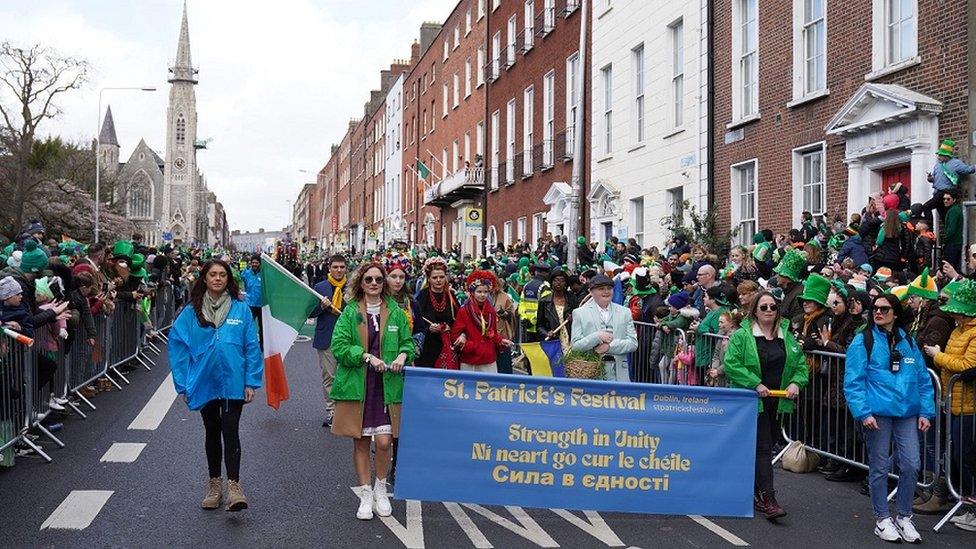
(922, 161)
(857, 195)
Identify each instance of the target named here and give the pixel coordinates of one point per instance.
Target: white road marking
(594, 525)
(123, 452)
(528, 528)
(411, 535)
(154, 411)
(78, 510)
(468, 526)
(719, 531)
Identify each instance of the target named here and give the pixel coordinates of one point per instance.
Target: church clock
(179, 163)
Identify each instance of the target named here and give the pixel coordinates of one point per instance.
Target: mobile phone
(104, 286)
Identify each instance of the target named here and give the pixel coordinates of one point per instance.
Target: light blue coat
(252, 285)
(587, 322)
(872, 389)
(211, 364)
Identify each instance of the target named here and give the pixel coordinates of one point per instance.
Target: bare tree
(31, 81)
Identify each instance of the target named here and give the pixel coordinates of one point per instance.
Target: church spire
(182, 69)
(107, 135)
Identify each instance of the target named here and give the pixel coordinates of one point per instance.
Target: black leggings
(768, 433)
(221, 419)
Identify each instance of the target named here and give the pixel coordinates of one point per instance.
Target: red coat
(478, 348)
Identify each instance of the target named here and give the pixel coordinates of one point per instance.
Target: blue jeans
(903, 431)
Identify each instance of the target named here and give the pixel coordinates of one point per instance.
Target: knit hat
(883, 274)
(791, 266)
(816, 289)
(9, 288)
(34, 258)
(523, 262)
(924, 286)
(946, 148)
(963, 300)
(35, 227)
(679, 300)
(581, 240)
(859, 282)
(901, 292)
(867, 268)
(42, 288)
(14, 259)
(890, 201)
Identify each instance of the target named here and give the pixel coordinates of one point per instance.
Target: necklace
(439, 307)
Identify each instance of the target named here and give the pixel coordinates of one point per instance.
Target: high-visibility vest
(528, 307)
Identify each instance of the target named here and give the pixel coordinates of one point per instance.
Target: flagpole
(293, 278)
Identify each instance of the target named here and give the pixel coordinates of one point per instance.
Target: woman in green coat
(763, 354)
(371, 343)
(716, 302)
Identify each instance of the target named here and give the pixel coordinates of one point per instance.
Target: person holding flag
(478, 339)
(325, 316)
(217, 367)
(605, 327)
(371, 343)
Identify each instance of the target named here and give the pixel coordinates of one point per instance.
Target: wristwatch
(366, 357)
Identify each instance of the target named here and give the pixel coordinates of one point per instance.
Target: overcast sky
(279, 80)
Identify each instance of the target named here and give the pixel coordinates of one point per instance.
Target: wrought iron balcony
(466, 183)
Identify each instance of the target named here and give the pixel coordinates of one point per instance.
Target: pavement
(297, 477)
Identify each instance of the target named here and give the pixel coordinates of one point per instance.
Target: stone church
(167, 199)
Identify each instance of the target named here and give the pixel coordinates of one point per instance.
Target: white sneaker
(885, 529)
(365, 511)
(907, 531)
(61, 401)
(382, 499)
(53, 404)
(965, 522)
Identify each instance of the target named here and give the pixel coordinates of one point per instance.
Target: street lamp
(98, 143)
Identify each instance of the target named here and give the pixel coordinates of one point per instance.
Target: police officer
(528, 308)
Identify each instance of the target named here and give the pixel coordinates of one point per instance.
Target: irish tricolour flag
(286, 304)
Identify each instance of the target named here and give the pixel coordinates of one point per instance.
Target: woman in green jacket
(716, 302)
(371, 343)
(763, 354)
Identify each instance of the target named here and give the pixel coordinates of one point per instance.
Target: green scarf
(215, 310)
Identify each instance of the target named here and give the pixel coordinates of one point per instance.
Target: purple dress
(376, 418)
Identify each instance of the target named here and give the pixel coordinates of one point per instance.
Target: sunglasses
(765, 307)
(882, 309)
(372, 280)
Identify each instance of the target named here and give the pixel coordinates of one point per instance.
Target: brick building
(817, 104)
(533, 61)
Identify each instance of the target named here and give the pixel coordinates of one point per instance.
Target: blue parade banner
(576, 444)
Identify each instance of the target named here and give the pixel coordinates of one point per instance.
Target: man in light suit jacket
(605, 327)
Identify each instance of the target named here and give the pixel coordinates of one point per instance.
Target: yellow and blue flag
(545, 358)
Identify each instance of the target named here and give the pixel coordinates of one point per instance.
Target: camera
(895, 360)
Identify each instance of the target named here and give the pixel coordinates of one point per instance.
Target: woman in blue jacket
(890, 393)
(217, 366)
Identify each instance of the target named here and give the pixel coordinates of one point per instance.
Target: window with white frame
(455, 156)
(638, 55)
(467, 148)
(481, 65)
(572, 103)
(495, 4)
(479, 140)
(809, 47)
(529, 25)
(495, 121)
(447, 48)
(677, 73)
(467, 22)
(444, 102)
(457, 37)
(528, 101)
(457, 90)
(809, 175)
(433, 115)
(510, 50)
(521, 228)
(510, 142)
(894, 32)
(496, 52)
(548, 117)
(676, 205)
(637, 218)
(745, 59)
(607, 79)
(745, 205)
(548, 16)
(507, 234)
(444, 161)
(467, 77)
(538, 228)
(481, 9)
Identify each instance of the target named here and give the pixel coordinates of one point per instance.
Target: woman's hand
(824, 334)
(870, 423)
(713, 373)
(397, 365)
(924, 424)
(437, 328)
(949, 270)
(762, 391)
(377, 364)
(460, 341)
(248, 395)
(932, 350)
(508, 343)
(792, 391)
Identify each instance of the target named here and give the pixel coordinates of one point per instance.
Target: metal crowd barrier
(90, 363)
(656, 359)
(960, 442)
(17, 399)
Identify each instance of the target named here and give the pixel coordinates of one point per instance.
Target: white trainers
(965, 522)
(365, 511)
(382, 499)
(885, 529)
(53, 405)
(907, 531)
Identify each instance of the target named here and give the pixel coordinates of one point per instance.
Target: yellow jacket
(959, 356)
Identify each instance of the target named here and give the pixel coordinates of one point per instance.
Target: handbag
(797, 459)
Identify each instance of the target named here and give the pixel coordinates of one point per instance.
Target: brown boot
(235, 497)
(215, 493)
(773, 510)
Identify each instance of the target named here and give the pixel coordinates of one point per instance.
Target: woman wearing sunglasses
(763, 354)
(371, 343)
(889, 392)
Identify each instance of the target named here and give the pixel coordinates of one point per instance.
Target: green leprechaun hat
(816, 289)
(963, 300)
(946, 148)
(791, 266)
(924, 286)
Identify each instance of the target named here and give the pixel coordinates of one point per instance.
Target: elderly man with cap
(604, 327)
(528, 308)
